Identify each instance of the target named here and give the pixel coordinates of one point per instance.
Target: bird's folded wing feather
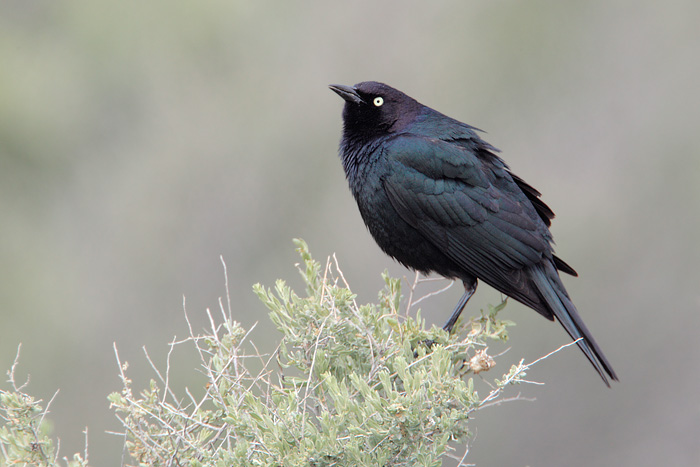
(467, 206)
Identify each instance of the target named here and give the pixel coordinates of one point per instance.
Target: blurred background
(139, 141)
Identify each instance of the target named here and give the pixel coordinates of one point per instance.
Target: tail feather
(546, 279)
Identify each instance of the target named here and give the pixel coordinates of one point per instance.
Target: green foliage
(348, 385)
(24, 435)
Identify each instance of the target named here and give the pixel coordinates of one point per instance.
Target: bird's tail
(545, 277)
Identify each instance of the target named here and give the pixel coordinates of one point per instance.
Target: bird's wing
(468, 206)
(546, 214)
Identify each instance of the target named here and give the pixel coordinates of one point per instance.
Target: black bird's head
(374, 109)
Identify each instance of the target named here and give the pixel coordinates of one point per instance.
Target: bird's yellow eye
(378, 101)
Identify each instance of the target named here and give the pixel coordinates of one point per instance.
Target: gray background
(141, 140)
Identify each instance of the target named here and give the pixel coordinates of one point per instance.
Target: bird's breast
(395, 236)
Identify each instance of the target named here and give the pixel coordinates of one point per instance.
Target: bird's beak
(347, 92)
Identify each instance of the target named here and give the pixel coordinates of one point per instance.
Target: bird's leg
(469, 289)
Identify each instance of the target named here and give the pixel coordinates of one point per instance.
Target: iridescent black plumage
(435, 197)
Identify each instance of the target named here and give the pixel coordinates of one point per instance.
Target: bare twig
(515, 375)
(11, 372)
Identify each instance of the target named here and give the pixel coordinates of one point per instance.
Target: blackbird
(437, 198)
